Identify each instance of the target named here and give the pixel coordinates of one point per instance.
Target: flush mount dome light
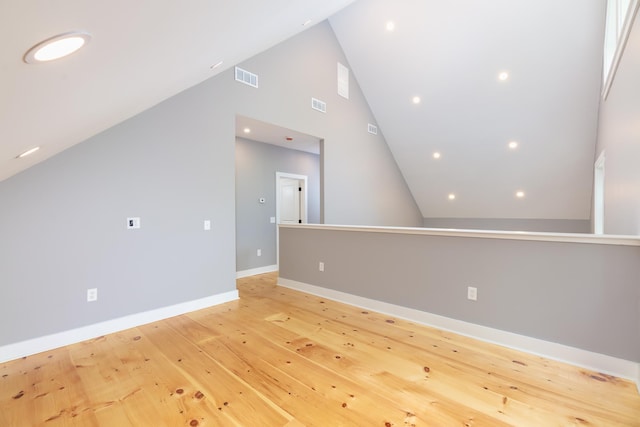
(56, 47)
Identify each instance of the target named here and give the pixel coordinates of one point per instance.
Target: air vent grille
(372, 129)
(316, 104)
(243, 76)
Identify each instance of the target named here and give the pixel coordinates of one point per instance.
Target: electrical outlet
(321, 266)
(259, 252)
(272, 219)
(207, 225)
(472, 293)
(92, 294)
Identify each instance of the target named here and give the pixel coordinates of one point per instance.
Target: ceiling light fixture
(436, 155)
(513, 145)
(26, 153)
(247, 130)
(520, 194)
(307, 22)
(503, 76)
(56, 47)
(391, 26)
(415, 100)
(216, 65)
(452, 196)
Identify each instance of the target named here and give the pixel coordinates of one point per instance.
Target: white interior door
(290, 212)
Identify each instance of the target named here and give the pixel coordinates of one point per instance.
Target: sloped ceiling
(448, 53)
(141, 53)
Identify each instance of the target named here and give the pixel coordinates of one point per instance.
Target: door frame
(303, 204)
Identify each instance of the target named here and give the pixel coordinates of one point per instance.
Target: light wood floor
(278, 357)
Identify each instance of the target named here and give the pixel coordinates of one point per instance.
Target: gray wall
(62, 222)
(582, 295)
(256, 167)
(619, 136)
(362, 183)
(512, 224)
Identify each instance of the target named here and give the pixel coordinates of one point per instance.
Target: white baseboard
(593, 361)
(254, 271)
(49, 342)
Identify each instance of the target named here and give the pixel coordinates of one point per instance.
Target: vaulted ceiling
(449, 54)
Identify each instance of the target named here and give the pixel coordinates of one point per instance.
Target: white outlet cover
(272, 219)
(207, 224)
(259, 252)
(472, 293)
(321, 266)
(92, 294)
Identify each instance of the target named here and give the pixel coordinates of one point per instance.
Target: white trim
(598, 194)
(594, 361)
(621, 44)
(254, 271)
(60, 339)
(602, 239)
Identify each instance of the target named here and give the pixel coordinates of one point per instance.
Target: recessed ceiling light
(247, 130)
(56, 47)
(503, 76)
(307, 22)
(513, 145)
(391, 26)
(216, 65)
(520, 194)
(452, 196)
(436, 155)
(26, 153)
(415, 100)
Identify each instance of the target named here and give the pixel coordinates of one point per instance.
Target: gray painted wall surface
(581, 295)
(512, 224)
(362, 182)
(256, 167)
(619, 136)
(62, 222)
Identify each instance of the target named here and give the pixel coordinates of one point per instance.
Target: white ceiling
(141, 53)
(448, 53)
(276, 135)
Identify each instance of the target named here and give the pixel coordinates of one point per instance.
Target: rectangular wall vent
(243, 76)
(372, 129)
(316, 104)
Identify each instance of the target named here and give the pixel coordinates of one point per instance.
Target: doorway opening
(265, 155)
(291, 202)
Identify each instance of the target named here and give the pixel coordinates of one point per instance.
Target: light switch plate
(133, 223)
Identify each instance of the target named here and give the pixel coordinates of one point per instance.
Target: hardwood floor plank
(279, 357)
